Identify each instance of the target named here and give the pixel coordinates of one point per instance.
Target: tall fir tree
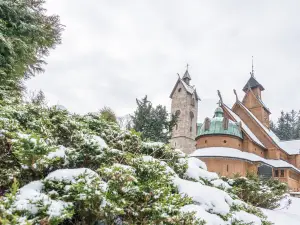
(288, 126)
(27, 34)
(154, 124)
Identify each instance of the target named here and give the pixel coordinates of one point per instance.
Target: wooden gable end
(256, 106)
(274, 151)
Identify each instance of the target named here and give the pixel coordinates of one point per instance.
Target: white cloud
(116, 51)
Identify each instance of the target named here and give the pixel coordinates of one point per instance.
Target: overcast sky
(116, 51)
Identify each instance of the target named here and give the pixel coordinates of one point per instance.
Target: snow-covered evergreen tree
(153, 123)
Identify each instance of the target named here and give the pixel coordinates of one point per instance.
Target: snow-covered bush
(84, 170)
(258, 192)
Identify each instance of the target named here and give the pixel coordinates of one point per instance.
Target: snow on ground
(194, 171)
(210, 219)
(211, 199)
(279, 217)
(292, 208)
(246, 218)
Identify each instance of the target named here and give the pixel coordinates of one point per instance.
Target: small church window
(225, 141)
(205, 141)
(227, 168)
(176, 126)
(177, 113)
(276, 173)
(281, 173)
(193, 102)
(191, 115)
(179, 90)
(191, 129)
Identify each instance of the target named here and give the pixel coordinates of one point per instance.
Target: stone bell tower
(185, 106)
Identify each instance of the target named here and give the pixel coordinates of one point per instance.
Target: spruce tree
(281, 126)
(153, 123)
(27, 34)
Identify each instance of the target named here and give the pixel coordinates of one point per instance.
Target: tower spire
(186, 77)
(252, 72)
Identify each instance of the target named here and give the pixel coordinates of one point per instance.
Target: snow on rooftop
(237, 154)
(187, 87)
(292, 147)
(244, 126)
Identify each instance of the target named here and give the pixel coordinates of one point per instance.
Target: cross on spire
(252, 72)
(187, 66)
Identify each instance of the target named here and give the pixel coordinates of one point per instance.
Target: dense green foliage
(30, 133)
(258, 192)
(108, 114)
(26, 35)
(287, 126)
(153, 123)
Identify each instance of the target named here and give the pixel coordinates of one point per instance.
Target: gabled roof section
(291, 148)
(186, 75)
(252, 83)
(245, 128)
(191, 90)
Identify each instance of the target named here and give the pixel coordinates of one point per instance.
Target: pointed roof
(190, 89)
(186, 75)
(252, 83)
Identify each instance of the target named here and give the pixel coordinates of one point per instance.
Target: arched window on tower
(191, 116)
(177, 113)
(193, 101)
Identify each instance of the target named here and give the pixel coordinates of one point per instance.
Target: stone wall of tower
(184, 134)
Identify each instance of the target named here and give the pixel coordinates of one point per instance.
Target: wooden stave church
(237, 140)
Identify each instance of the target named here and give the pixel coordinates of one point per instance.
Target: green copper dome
(219, 125)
